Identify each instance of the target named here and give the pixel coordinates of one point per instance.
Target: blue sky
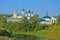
(37, 6)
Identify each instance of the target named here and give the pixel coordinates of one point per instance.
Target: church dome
(46, 17)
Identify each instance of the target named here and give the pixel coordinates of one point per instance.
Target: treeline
(26, 25)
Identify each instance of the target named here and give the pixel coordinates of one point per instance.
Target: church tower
(46, 13)
(15, 14)
(23, 12)
(29, 13)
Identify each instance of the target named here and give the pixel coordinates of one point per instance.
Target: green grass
(48, 33)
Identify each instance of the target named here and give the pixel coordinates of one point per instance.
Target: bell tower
(15, 13)
(29, 13)
(23, 12)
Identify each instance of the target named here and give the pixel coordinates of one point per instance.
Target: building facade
(17, 18)
(47, 20)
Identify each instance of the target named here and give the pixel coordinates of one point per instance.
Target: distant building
(29, 14)
(47, 19)
(17, 18)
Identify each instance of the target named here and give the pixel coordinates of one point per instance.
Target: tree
(1, 20)
(58, 20)
(25, 23)
(34, 21)
(29, 24)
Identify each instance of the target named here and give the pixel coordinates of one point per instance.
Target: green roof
(13, 18)
(29, 16)
(47, 17)
(40, 20)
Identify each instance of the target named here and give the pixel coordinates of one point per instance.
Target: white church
(47, 19)
(44, 20)
(17, 18)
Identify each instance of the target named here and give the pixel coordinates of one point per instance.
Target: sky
(37, 6)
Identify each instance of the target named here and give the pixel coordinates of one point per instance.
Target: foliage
(1, 20)
(40, 27)
(58, 20)
(27, 25)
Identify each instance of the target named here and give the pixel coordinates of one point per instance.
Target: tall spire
(46, 13)
(29, 11)
(28, 15)
(15, 13)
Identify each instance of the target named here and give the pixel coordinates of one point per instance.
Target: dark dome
(22, 9)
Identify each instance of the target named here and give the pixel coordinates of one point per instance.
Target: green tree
(40, 27)
(58, 20)
(34, 21)
(25, 23)
(1, 20)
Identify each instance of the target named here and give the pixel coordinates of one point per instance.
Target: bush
(40, 27)
(5, 33)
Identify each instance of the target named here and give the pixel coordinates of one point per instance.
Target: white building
(17, 18)
(47, 20)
